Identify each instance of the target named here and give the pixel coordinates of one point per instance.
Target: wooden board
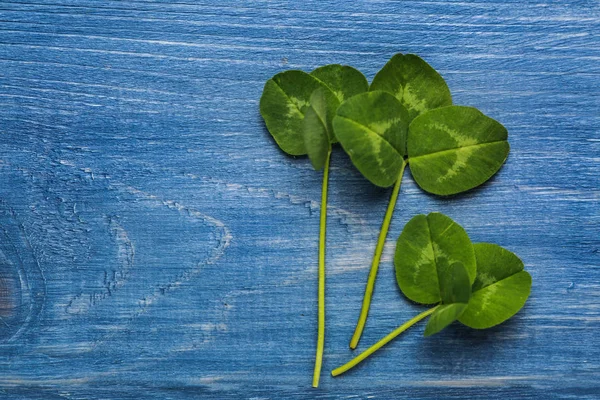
(155, 243)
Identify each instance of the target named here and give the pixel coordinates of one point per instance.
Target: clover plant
(298, 109)
(480, 285)
(406, 119)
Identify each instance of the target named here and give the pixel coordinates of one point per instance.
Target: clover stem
(322, 231)
(355, 361)
(364, 312)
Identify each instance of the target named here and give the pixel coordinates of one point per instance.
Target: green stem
(322, 230)
(366, 304)
(381, 343)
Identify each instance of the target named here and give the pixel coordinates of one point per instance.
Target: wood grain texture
(155, 243)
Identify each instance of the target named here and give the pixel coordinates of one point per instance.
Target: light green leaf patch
(426, 248)
(414, 82)
(343, 80)
(500, 288)
(453, 149)
(317, 138)
(371, 128)
(285, 99)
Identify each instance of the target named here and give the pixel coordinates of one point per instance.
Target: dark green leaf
(317, 139)
(371, 128)
(455, 286)
(414, 82)
(455, 291)
(426, 248)
(285, 99)
(500, 289)
(343, 80)
(455, 148)
(443, 316)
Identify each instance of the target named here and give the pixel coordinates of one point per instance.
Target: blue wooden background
(155, 243)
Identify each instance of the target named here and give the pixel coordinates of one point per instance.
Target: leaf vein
(288, 97)
(371, 131)
(456, 149)
(497, 282)
(435, 262)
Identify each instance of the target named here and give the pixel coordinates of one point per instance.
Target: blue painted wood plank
(155, 242)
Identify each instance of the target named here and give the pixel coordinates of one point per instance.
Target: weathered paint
(154, 241)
